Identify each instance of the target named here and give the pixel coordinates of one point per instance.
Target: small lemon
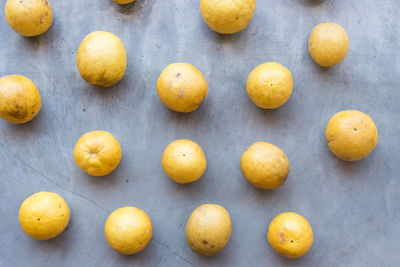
(44, 215)
(269, 85)
(101, 59)
(20, 100)
(183, 161)
(98, 153)
(227, 16)
(290, 235)
(208, 229)
(351, 135)
(29, 17)
(181, 87)
(328, 44)
(128, 230)
(265, 165)
(123, 2)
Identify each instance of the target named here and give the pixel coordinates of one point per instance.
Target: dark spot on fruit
(184, 155)
(140, 243)
(205, 242)
(237, 18)
(355, 129)
(178, 75)
(212, 246)
(271, 84)
(38, 219)
(291, 241)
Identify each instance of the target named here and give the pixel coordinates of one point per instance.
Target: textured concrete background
(352, 207)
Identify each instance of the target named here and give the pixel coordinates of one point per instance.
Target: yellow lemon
(265, 165)
(44, 215)
(269, 85)
(123, 2)
(227, 16)
(183, 161)
(98, 153)
(19, 99)
(351, 135)
(290, 235)
(128, 230)
(328, 44)
(181, 87)
(101, 59)
(29, 17)
(208, 229)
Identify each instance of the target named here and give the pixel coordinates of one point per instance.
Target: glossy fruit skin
(290, 235)
(351, 135)
(123, 2)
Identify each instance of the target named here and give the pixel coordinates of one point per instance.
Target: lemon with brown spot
(123, 2)
(208, 229)
(44, 215)
(20, 100)
(97, 153)
(351, 135)
(128, 230)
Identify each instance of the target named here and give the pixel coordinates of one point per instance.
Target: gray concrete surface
(352, 207)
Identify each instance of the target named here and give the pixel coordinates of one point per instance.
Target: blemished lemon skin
(101, 59)
(184, 161)
(97, 153)
(181, 87)
(20, 100)
(269, 85)
(290, 235)
(227, 16)
(29, 17)
(265, 166)
(351, 135)
(44, 215)
(123, 2)
(208, 229)
(328, 44)
(128, 230)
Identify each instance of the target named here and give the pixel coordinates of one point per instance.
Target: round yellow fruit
(351, 135)
(123, 2)
(101, 59)
(44, 215)
(29, 17)
(328, 44)
(183, 161)
(269, 85)
(290, 235)
(98, 153)
(20, 100)
(181, 87)
(265, 166)
(208, 229)
(227, 16)
(128, 230)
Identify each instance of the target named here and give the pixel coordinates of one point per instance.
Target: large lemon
(227, 16)
(98, 153)
(290, 235)
(351, 135)
(269, 85)
(19, 99)
(208, 229)
(182, 87)
(128, 230)
(328, 44)
(265, 165)
(29, 17)
(183, 161)
(44, 215)
(101, 58)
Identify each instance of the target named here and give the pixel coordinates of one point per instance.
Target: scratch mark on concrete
(173, 252)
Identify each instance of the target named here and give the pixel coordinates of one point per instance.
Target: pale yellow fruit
(123, 2)
(44, 215)
(183, 161)
(101, 59)
(269, 85)
(98, 153)
(351, 135)
(29, 17)
(227, 16)
(20, 100)
(208, 229)
(181, 87)
(265, 165)
(128, 230)
(328, 44)
(290, 235)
